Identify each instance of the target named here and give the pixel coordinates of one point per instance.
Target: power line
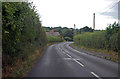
(113, 5)
(108, 7)
(103, 11)
(104, 8)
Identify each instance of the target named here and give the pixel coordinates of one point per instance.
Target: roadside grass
(21, 68)
(113, 55)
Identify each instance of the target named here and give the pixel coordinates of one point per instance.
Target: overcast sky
(66, 13)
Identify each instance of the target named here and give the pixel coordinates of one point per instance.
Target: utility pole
(74, 29)
(93, 21)
(119, 13)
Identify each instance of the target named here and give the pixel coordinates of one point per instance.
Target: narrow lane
(55, 63)
(103, 67)
(60, 60)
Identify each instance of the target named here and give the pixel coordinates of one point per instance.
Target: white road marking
(68, 58)
(73, 59)
(76, 58)
(78, 62)
(63, 52)
(95, 75)
(74, 49)
(68, 55)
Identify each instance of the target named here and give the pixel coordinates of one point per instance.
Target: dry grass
(22, 67)
(113, 55)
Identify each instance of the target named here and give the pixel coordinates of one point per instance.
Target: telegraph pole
(119, 13)
(93, 21)
(74, 29)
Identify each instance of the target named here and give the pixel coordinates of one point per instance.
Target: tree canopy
(22, 30)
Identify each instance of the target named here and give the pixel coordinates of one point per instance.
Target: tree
(22, 30)
(86, 29)
(68, 39)
(68, 33)
(110, 34)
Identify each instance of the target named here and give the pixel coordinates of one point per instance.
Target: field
(108, 39)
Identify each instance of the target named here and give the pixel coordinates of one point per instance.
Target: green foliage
(110, 31)
(114, 42)
(52, 39)
(68, 39)
(86, 29)
(68, 33)
(22, 31)
(95, 39)
(119, 40)
(108, 39)
(57, 29)
(64, 32)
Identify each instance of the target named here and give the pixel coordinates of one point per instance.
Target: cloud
(80, 12)
(113, 14)
(112, 11)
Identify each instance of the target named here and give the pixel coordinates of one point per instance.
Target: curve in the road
(60, 60)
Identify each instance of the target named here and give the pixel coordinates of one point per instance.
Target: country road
(60, 60)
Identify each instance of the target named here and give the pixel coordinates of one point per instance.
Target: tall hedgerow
(89, 39)
(52, 39)
(112, 37)
(22, 32)
(108, 39)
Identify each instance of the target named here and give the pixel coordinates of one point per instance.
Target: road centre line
(74, 59)
(68, 55)
(63, 52)
(74, 50)
(78, 62)
(96, 75)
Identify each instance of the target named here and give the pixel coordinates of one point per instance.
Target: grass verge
(113, 55)
(21, 68)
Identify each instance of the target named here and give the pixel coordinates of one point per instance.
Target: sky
(66, 13)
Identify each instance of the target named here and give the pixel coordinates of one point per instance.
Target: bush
(52, 39)
(108, 39)
(68, 38)
(112, 36)
(87, 39)
(22, 31)
(114, 42)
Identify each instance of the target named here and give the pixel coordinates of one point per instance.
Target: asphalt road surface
(60, 60)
